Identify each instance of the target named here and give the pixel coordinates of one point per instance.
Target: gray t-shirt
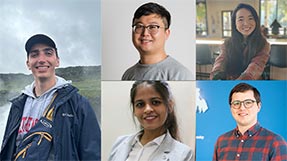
(167, 69)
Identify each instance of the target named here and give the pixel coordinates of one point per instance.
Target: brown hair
(243, 87)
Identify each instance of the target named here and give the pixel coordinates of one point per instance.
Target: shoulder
(68, 97)
(122, 139)
(267, 46)
(176, 146)
(271, 135)
(130, 72)
(180, 151)
(175, 70)
(225, 136)
(120, 145)
(181, 147)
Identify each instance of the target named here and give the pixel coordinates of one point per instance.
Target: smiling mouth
(242, 114)
(151, 117)
(145, 40)
(246, 29)
(42, 67)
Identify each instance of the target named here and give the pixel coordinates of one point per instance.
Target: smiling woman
(153, 106)
(151, 120)
(245, 54)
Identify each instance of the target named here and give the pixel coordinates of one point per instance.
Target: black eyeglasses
(152, 29)
(248, 103)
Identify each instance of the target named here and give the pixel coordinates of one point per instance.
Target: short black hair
(153, 8)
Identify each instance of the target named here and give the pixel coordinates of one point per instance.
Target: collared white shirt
(141, 152)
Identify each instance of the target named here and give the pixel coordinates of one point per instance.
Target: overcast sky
(74, 25)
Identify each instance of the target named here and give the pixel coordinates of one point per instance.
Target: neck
(152, 58)
(42, 85)
(243, 129)
(149, 135)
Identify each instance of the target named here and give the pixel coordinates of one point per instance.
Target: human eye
(139, 104)
(33, 54)
(236, 103)
(251, 18)
(240, 19)
(153, 26)
(138, 26)
(156, 102)
(248, 102)
(49, 52)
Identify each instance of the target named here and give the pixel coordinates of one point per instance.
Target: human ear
(58, 62)
(259, 106)
(28, 64)
(167, 33)
(171, 106)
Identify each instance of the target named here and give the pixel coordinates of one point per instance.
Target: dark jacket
(76, 133)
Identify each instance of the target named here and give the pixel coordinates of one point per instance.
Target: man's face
(245, 117)
(42, 61)
(147, 42)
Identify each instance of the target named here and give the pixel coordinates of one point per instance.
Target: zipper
(23, 151)
(42, 135)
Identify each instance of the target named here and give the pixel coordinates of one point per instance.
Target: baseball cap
(39, 39)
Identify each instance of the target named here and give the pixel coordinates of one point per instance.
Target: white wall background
(118, 52)
(117, 115)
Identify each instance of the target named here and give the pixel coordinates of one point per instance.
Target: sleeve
(219, 65)
(257, 65)
(279, 149)
(90, 135)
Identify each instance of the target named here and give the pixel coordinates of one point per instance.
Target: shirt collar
(250, 132)
(158, 140)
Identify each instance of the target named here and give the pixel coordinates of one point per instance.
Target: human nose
(145, 30)
(245, 22)
(42, 56)
(148, 109)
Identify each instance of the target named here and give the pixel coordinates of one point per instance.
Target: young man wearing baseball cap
(74, 130)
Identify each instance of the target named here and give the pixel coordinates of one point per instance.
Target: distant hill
(86, 78)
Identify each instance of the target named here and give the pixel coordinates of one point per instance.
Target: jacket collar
(160, 154)
(64, 94)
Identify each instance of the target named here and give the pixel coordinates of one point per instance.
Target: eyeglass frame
(143, 27)
(243, 102)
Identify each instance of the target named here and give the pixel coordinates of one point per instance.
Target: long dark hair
(163, 89)
(235, 45)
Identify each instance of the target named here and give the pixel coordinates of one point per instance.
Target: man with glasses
(248, 141)
(69, 130)
(150, 26)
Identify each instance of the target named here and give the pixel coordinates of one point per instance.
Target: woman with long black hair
(245, 54)
(158, 139)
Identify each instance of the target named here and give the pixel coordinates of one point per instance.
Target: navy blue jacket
(76, 133)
